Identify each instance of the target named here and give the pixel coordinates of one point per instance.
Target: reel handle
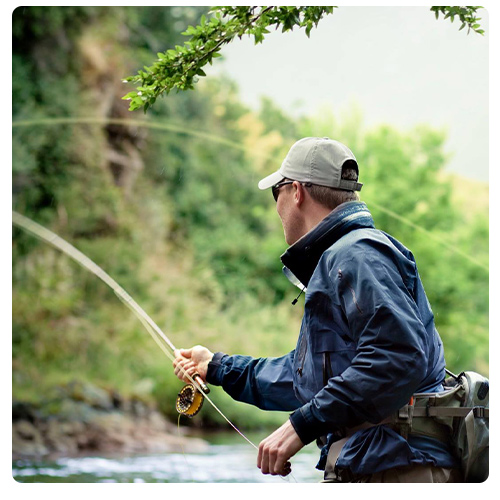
(200, 382)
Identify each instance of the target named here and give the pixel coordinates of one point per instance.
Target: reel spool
(190, 399)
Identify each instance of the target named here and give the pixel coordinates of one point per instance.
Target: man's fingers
(263, 459)
(188, 369)
(183, 364)
(278, 465)
(181, 367)
(287, 468)
(269, 462)
(276, 449)
(273, 459)
(264, 464)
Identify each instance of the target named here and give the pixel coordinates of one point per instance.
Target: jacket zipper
(303, 352)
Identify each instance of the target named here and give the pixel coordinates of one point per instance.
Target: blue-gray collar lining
(302, 257)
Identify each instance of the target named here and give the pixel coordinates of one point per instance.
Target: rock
(27, 440)
(91, 395)
(117, 400)
(64, 437)
(158, 423)
(23, 411)
(26, 430)
(71, 410)
(110, 432)
(138, 408)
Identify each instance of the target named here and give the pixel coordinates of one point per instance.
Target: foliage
(181, 67)
(467, 16)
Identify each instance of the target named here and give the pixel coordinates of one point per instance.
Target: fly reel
(190, 399)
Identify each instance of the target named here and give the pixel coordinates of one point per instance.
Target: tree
(180, 68)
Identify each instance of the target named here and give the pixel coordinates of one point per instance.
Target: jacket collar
(302, 257)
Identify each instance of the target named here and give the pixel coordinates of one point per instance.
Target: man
(367, 341)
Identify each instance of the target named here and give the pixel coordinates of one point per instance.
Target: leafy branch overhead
(467, 16)
(181, 67)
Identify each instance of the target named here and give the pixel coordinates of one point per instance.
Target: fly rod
(192, 395)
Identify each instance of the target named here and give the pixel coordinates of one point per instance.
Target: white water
(223, 463)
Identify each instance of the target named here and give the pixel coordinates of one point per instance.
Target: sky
(398, 65)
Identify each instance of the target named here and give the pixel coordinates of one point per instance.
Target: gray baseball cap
(317, 160)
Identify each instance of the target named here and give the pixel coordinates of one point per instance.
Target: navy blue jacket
(366, 344)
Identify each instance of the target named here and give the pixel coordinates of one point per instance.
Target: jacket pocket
(335, 353)
(330, 341)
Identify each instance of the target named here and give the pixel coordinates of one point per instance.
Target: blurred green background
(166, 203)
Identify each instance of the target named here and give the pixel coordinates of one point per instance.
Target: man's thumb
(186, 352)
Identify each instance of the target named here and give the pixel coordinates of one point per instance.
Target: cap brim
(270, 180)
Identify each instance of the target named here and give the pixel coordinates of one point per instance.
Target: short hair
(333, 197)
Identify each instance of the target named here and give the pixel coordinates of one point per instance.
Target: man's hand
(194, 360)
(276, 449)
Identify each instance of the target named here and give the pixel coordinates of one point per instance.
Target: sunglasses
(275, 189)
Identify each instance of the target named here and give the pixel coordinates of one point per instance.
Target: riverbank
(83, 419)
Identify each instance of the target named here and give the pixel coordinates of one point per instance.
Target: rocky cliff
(85, 419)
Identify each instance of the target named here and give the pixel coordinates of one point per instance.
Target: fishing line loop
(156, 333)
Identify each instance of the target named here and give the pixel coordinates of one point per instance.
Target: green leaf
(177, 68)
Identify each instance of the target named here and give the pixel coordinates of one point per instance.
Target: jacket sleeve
(262, 382)
(391, 348)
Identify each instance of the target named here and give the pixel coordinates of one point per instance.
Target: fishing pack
(460, 415)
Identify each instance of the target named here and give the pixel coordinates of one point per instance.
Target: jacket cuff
(214, 375)
(308, 427)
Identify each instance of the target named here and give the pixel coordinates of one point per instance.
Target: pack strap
(451, 411)
(471, 439)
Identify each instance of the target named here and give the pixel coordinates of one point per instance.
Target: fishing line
(172, 127)
(430, 235)
(182, 446)
(158, 336)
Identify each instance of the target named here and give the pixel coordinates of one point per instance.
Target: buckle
(478, 411)
(404, 412)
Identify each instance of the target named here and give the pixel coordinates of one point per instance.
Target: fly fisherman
(367, 341)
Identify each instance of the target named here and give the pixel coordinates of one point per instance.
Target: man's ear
(299, 193)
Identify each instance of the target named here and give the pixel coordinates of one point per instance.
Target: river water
(228, 459)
